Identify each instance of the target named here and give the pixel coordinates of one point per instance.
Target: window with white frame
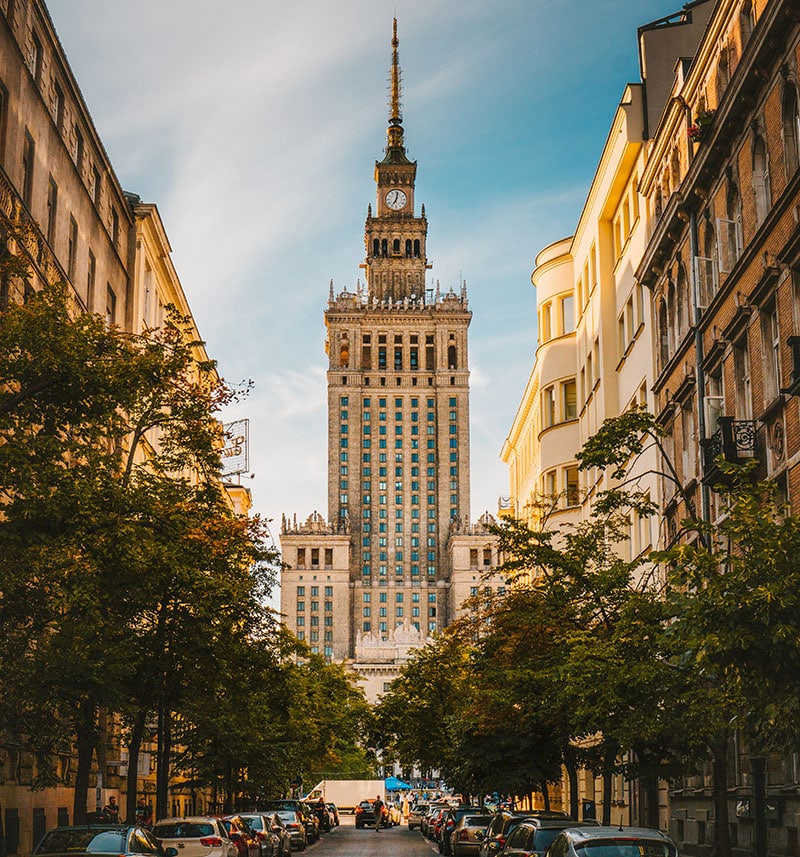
(742, 379)
(770, 337)
(791, 129)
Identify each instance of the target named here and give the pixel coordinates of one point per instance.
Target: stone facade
(685, 274)
(722, 263)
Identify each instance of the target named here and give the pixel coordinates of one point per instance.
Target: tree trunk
(134, 746)
(546, 796)
(649, 814)
(163, 761)
(609, 761)
(719, 756)
(86, 738)
(758, 768)
(572, 779)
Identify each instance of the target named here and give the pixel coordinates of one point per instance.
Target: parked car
(282, 833)
(300, 806)
(533, 836)
(334, 813)
(435, 823)
(465, 840)
(195, 836)
(314, 819)
(296, 826)
(451, 818)
(430, 815)
(497, 832)
(122, 840)
(416, 814)
(262, 827)
(591, 841)
(394, 813)
(241, 834)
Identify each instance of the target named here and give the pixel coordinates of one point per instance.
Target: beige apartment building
(391, 564)
(63, 210)
(595, 345)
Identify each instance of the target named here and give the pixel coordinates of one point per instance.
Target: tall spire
(395, 150)
(394, 107)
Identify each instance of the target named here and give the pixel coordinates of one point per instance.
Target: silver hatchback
(196, 836)
(612, 842)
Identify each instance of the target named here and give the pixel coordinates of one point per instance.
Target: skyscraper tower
(398, 440)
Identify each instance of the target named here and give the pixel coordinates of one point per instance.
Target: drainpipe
(699, 372)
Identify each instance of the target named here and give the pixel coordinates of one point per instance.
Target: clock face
(396, 199)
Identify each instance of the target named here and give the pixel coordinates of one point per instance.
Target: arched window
(396, 245)
(408, 246)
(746, 21)
(416, 247)
(730, 229)
(663, 334)
(711, 276)
(761, 179)
(723, 73)
(452, 359)
(791, 130)
(376, 247)
(672, 318)
(684, 302)
(675, 168)
(344, 352)
(384, 247)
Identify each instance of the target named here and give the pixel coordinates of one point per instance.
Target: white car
(395, 814)
(196, 836)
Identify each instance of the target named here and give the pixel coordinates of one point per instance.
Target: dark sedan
(123, 840)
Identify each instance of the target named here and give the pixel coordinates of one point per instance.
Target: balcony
(734, 440)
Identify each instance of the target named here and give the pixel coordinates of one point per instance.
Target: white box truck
(347, 794)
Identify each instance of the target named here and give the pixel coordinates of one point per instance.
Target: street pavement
(347, 841)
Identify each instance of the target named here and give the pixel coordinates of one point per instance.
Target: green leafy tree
(117, 548)
(734, 601)
(414, 718)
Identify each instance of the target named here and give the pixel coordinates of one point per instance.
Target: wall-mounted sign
(236, 452)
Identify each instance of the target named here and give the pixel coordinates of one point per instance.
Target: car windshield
(94, 841)
(477, 820)
(183, 830)
(626, 848)
(254, 821)
(287, 815)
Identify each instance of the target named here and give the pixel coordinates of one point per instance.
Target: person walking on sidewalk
(378, 813)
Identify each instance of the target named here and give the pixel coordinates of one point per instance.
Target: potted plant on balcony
(702, 124)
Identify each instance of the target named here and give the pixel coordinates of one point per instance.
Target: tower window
(376, 247)
(416, 247)
(408, 247)
(452, 359)
(384, 247)
(396, 245)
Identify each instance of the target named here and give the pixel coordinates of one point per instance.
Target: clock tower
(396, 556)
(394, 238)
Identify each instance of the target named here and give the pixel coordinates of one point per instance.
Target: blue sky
(254, 126)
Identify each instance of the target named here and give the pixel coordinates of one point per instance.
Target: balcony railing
(734, 440)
